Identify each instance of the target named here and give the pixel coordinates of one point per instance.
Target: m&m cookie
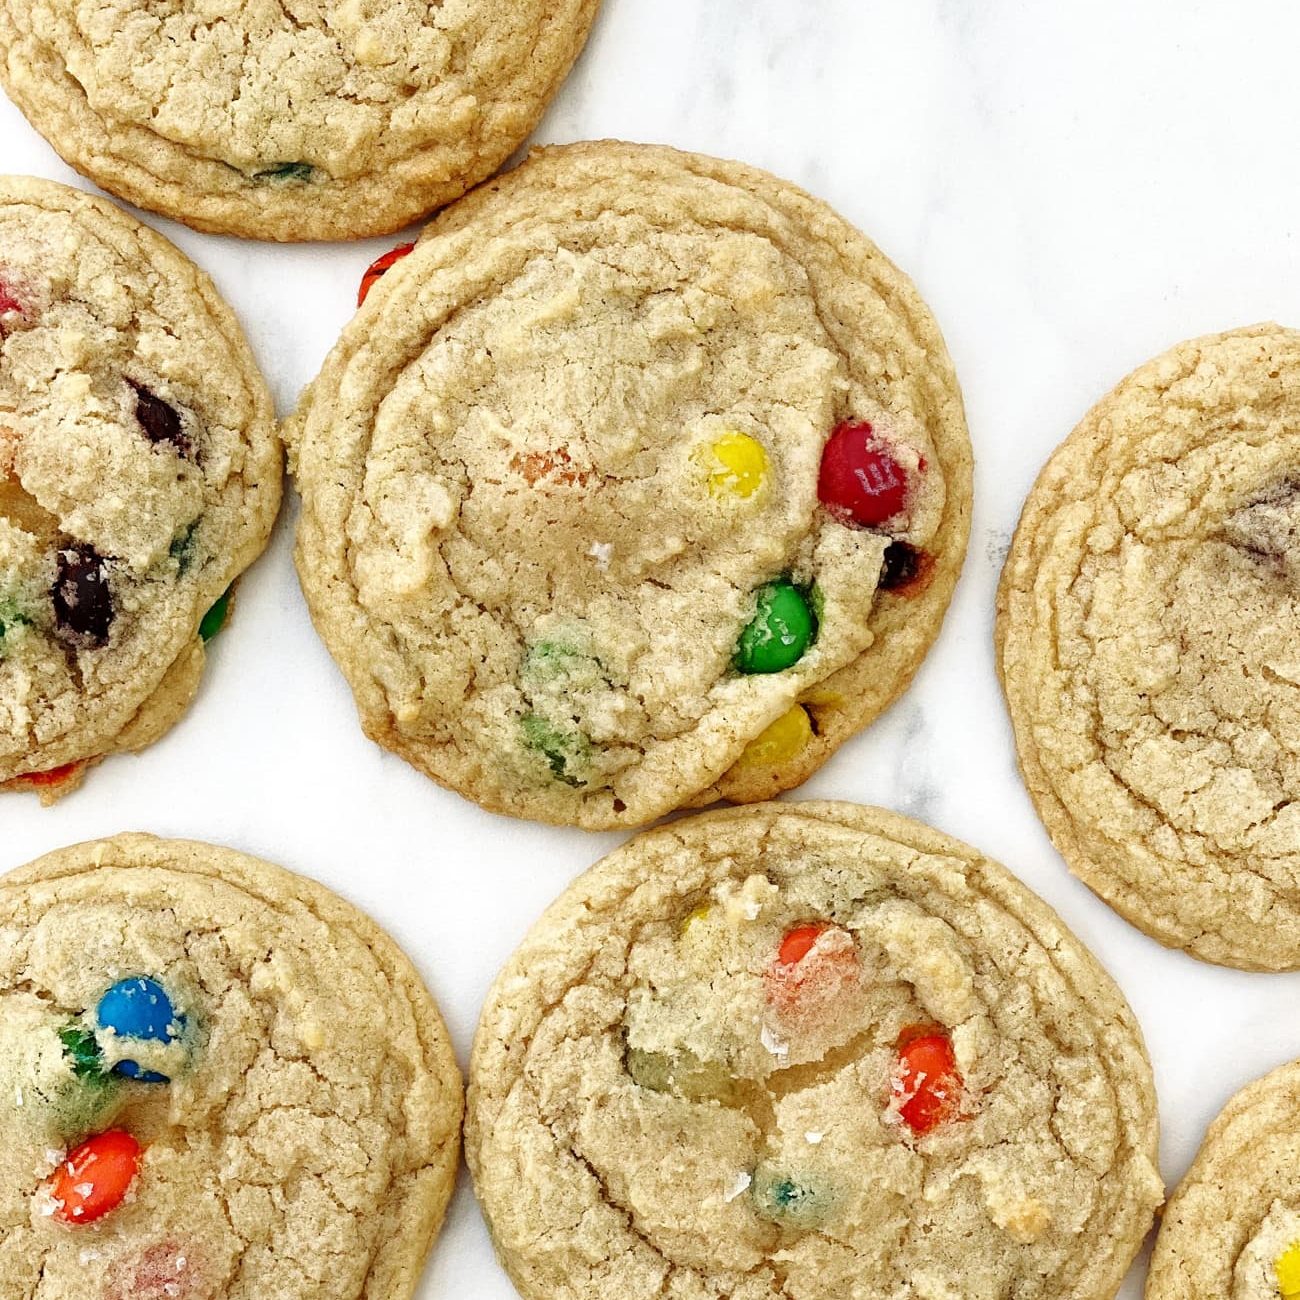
(326, 120)
(140, 474)
(642, 480)
(1148, 621)
(806, 1052)
(1231, 1231)
(217, 1079)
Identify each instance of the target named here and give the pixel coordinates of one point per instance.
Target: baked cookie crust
(140, 474)
(1231, 1231)
(709, 1070)
(306, 1140)
(332, 120)
(571, 444)
(1146, 635)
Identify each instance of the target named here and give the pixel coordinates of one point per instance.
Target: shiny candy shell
(861, 481)
(927, 1084)
(138, 1008)
(782, 629)
(95, 1177)
(1287, 1269)
(738, 466)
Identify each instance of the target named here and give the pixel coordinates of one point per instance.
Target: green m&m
(215, 619)
(567, 752)
(780, 632)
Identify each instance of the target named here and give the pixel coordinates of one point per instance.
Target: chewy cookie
(1232, 1229)
(643, 480)
(140, 474)
(1147, 632)
(807, 1051)
(219, 1081)
(327, 120)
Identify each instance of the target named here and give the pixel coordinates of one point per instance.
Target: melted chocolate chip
(903, 565)
(160, 421)
(83, 604)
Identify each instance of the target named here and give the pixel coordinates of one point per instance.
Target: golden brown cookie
(1148, 622)
(643, 480)
(324, 120)
(218, 1081)
(1232, 1229)
(140, 472)
(802, 1052)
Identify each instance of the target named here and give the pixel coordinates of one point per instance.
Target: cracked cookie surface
(1147, 629)
(809, 1051)
(140, 474)
(324, 119)
(643, 480)
(300, 1129)
(1231, 1230)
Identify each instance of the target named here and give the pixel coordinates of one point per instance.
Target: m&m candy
(83, 1054)
(138, 1008)
(738, 466)
(780, 632)
(927, 1083)
(1287, 1269)
(861, 481)
(215, 619)
(379, 268)
(53, 776)
(795, 1202)
(778, 743)
(94, 1178)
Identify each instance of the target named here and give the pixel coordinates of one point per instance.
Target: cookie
(328, 120)
(218, 1080)
(1147, 625)
(807, 1051)
(1232, 1229)
(140, 472)
(642, 481)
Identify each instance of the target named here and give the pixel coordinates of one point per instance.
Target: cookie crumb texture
(327, 119)
(808, 1051)
(139, 475)
(601, 483)
(1147, 633)
(1232, 1228)
(219, 1081)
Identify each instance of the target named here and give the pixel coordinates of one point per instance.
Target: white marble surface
(1073, 187)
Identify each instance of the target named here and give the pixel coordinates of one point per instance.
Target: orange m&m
(379, 267)
(927, 1083)
(94, 1178)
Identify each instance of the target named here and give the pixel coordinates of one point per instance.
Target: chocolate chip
(83, 604)
(903, 565)
(160, 421)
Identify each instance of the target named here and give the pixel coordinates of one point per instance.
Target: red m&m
(94, 1178)
(861, 481)
(53, 776)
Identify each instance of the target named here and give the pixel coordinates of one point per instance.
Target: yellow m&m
(695, 919)
(780, 742)
(739, 465)
(1288, 1272)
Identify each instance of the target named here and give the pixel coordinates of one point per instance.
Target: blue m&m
(138, 1008)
